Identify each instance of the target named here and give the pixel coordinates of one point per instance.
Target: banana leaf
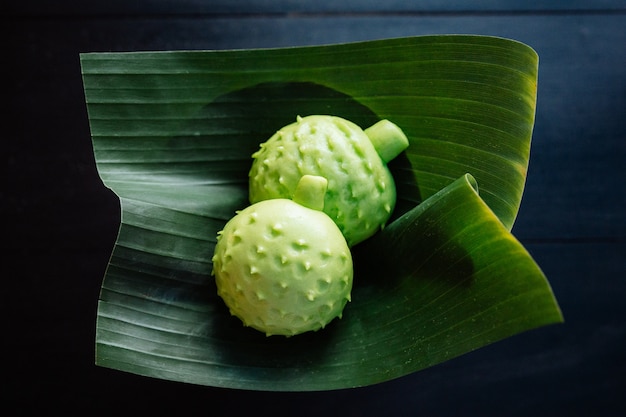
(173, 133)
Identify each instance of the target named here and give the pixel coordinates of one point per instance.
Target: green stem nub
(388, 139)
(310, 192)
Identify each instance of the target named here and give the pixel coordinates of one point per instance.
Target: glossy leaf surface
(173, 134)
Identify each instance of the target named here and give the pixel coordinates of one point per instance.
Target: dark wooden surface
(572, 219)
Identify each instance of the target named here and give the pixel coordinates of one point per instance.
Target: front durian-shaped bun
(283, 266)
(361, 191)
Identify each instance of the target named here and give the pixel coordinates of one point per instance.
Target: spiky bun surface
(361, 191)
(283, 268)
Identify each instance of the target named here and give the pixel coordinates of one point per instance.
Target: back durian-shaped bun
(361, 191)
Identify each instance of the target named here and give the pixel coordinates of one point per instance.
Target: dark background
(62, 222)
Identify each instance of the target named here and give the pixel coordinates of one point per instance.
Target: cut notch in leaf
(171, 128)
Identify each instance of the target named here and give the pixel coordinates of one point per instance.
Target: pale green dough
(282, 266)
(361, 191)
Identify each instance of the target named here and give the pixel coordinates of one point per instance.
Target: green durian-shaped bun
(282, 266)
(361, 191)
